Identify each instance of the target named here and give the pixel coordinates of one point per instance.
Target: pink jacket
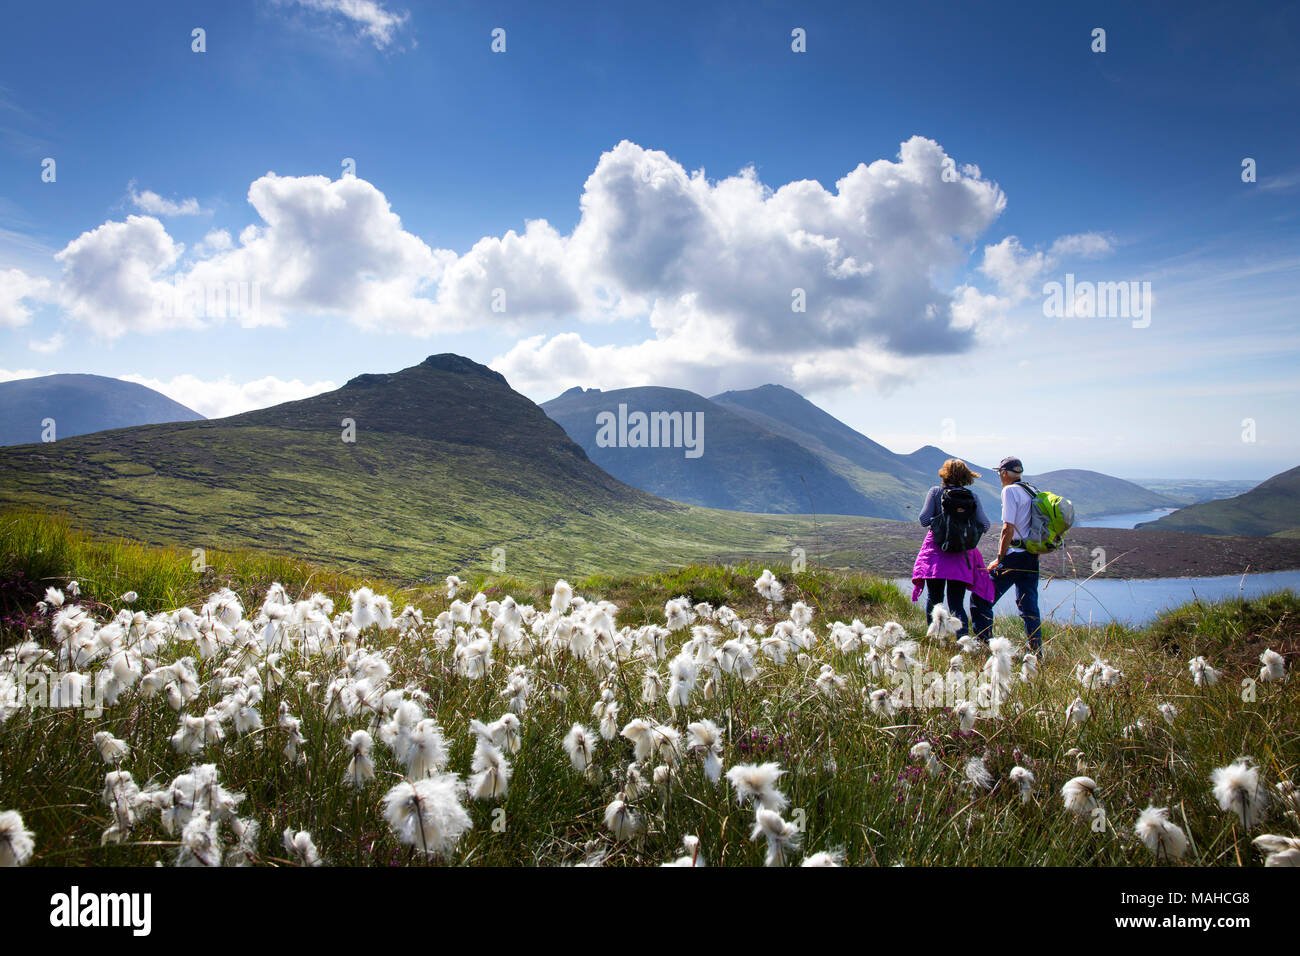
(966, 567)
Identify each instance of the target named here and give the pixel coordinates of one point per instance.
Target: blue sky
(924, 318)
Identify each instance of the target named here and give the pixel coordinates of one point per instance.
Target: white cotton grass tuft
(943, 623)
(427, 814)
(16, 841)
(978, 775)
(1274, 666)
(756, 784)
(621, 819)
(691, 855)
(301, 847)
(111, 750)
(1079, 795)
(491, 776)
(769, 587)
(704, 737)
(1237, 789)
(1278, 850)
(580, 746)
(361, 766)
(1168, 711)
(1159, 834)
(924, 752)
(782, 836)
(1078, 712)
(1023, 778)
(1203, 675)
(824, 858)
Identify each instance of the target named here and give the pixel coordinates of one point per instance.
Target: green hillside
(449, 464)
(1267, 509)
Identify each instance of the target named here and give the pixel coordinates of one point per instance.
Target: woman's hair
(957, 472)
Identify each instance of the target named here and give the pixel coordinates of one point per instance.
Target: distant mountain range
(80, 404)
(770, 450)
(443, 467)
(1269, 508)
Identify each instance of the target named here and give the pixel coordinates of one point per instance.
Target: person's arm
(1008, 530)
(1004, 542)
(981, 519)
(928, 512)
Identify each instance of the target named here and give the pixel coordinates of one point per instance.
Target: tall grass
(850, 779)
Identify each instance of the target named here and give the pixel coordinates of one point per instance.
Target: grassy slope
(849, 770)
(1266, 509)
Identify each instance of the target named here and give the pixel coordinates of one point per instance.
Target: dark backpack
(954, 529)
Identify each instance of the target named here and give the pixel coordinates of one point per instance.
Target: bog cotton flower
(1078, 794)
(1023, 778)
(1274, 668)
(427, 814)
(580, 747)
(1279, 850)
(756, 783)
(301, 847)
(1238, 791)
(1159, 835)
(768, 586)
(16, 843)
(621, 819)
(782, 836)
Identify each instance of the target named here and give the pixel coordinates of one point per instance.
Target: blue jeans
(1018, 569)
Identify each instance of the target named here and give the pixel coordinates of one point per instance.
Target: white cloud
(1016, 270)
(113, 278)
(15, 287)
(52, 344)
(11, 375)
(371, 19)
(150, 202)
(1083, 245)
(216, 398)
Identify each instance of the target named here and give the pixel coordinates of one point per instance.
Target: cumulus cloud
(16, 289)
(370, 19)
(216, 398)
(1016, 270)
(799, 284)
(113, 278)
(150, 202)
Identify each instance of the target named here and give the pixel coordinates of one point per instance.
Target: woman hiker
(953, 564)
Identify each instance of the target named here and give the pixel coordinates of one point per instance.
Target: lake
(1138, 601)
(1129, 519)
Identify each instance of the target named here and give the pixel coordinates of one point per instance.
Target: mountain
(80, 404)
(895, 484)
(1267, 509)
(1095, 494)
(450, 469)
(708, 456)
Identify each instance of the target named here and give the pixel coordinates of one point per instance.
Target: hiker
(1013, 566)
(949, 562)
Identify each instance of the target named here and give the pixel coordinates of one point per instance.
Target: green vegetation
(848, 768)
(1267, 509)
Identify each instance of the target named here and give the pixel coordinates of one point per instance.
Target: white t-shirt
(1016, 502)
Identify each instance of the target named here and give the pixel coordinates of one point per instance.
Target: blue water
(1101, 601)
(1128, 520)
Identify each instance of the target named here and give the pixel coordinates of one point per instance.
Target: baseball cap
(1011, 464)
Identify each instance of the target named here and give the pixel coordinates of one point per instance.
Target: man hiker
(1013, 566)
